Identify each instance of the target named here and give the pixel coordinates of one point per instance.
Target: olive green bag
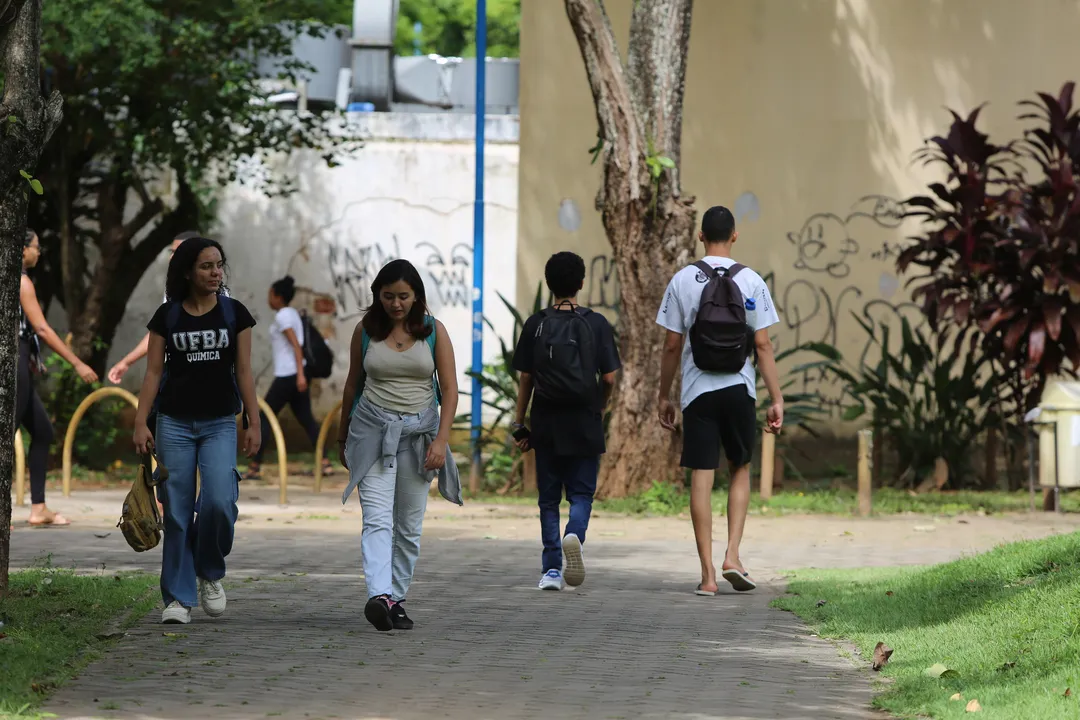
(140, 520)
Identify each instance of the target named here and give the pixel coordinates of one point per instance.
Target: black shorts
(725, 417)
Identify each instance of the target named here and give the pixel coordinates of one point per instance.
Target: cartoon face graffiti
(824, 245)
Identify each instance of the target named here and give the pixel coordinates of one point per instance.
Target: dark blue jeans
(196, 547)
(577, 475)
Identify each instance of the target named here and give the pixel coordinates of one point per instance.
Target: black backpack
(720, 339)
(318, 358)
(564, 357)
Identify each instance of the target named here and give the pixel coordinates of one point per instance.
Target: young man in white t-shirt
(718, 409)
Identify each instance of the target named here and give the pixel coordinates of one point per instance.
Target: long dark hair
(377, 321)
(177, 285)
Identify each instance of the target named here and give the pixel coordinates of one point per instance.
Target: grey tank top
(399, 381)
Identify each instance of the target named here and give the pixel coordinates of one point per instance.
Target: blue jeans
(578, 476)
(393, 500)
(196, 547)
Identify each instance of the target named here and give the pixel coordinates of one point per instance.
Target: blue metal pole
(478, 235)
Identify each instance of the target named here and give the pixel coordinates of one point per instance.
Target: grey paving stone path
(633, 642)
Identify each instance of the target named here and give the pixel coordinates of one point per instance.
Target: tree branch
(620, 127)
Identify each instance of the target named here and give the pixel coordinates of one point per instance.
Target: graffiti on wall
(602, 283)
(353, 268)
(447, 275)
(451, 276)
(815, 307)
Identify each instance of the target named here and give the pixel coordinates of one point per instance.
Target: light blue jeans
(194, 548)
(393, 500)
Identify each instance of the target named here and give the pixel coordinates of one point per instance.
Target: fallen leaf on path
(956, 697)
(174, 634)
(1068, 692)
(973, 706)
(882, 653)
(1007, 666)
(821, 603)
(937, 670)
(110, 634)
(889, 593)
(102, 535)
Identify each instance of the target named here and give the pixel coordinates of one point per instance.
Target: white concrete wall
(407, 193)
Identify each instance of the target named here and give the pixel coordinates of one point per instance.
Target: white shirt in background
(287, 318)
(680, 308)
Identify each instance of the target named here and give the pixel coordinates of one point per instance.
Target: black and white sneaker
(377, 612)
(398, 617)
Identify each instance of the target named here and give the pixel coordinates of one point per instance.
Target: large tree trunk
(27, 120)
(650, 225)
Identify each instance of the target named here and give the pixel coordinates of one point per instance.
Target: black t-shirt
(200, 357)
(574, 431)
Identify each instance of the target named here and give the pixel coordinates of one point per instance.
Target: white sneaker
(573, 560)
(176, 614)
(552, 580)
(212, 597)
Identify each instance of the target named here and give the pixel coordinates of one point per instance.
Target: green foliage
(150, 84)
(1004, 622)
(98, 432)
(931, 395)
(500, 379)
(801, 410)
(448, 27)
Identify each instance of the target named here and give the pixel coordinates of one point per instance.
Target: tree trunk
(649, 224)
(27, 121)
(103, 301)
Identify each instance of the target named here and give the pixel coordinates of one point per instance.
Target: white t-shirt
(680, 308)
(287, 318)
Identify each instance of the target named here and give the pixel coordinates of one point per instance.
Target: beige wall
(795, 111)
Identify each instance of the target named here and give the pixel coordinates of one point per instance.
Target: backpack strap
(735, 270)
(429, 322)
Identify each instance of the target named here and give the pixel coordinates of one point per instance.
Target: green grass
(663, 500)
(51, 619)
(1007, 623)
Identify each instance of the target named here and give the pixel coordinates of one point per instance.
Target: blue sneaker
(552, 580)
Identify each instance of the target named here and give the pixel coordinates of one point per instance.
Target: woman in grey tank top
(397, 408)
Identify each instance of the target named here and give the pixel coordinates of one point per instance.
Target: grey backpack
(720, 339)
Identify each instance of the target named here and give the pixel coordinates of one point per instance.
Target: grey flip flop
(704, 593)
(739, 580)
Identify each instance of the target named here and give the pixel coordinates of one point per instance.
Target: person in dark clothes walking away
(290, 385)
(717, 314)
(29, 410)
(567, 359)
(200, 342)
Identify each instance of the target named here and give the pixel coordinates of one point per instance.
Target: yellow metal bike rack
(320, 444)
(20, 470)
(106, 392)
(73, 424)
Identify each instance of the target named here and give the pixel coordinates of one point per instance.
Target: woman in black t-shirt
(29, 411)
(200, 344)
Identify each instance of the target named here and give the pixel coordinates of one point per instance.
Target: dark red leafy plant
(1001, 243)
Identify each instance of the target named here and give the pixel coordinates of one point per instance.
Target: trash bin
(1059, 415)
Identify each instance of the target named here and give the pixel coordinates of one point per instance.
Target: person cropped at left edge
(29, 410)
